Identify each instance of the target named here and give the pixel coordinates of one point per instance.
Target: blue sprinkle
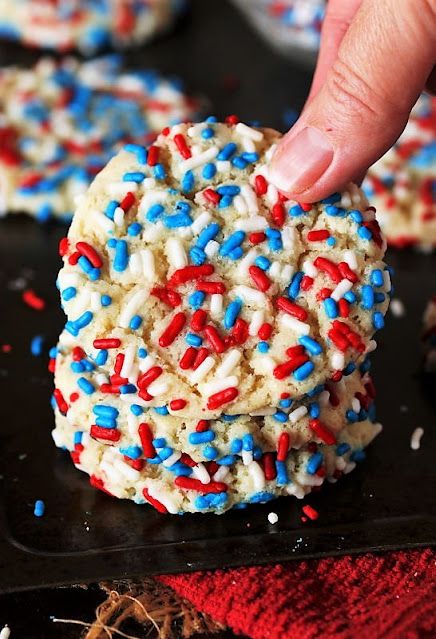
(112, 243)
(296, 211)
(227, 460)
(280, 416)
(182, 207)
(229, 418)
(53, 352)
(136, 410)
(236, 253)
(331, 308)
(208, 133)
(154, 212)
(210, 452)
(310, 345)
(207, 234)
(198, 256)
(36, 345)
(294, 287)
(358, 455)
(232, 312)
(282, 473)
(356, 216)
(105, 411)
(86, 386)
(364, 233)
(257, 452)
(165, 452)
(134, 452)
(261, 498)
(377, 277)
(134, 229)
(162, 410)
(159, 172)
(331, 199)
(367, 297)
(106, 300)
(234, 241)
(350, 368)
(272, 233)
(155, 460)
(303, 372)
(101, 357)
(230, 189)
(142, 353)
(378, 320)
(209, 171)
(77, 367)
(239, 162)
(121, 258)
(196, 299)
(343, 448)
(139, 151)
(211, 118)
(350, 297)
(314, 410)
(111, 208)
(44, 213)
(136, 176)
(159, 442)
(84, 320)
(180, 470)
(69, 293)
(227, 152)
(250, 157)
(314, 463)
(247, 442)
(285, 403)
(331, 241)
(39, 508)
(316, 391)
(201, 438)
(379, 298)
(135, 322)
(352, 416)
(193, 340)
(188, 182)
(78, 437)
(106, 422)
(236, 446)
(262, 262)
(177, 221)
(263, 347)
(225, 201)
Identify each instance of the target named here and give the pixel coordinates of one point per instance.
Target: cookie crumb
(273, 518)
(415, 440)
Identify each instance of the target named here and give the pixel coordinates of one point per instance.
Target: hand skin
(376, 57)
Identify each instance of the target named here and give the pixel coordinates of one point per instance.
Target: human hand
(376, 57)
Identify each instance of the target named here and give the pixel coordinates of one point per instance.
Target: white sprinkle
(165, 498)
(324, 398)
(223, 166)
(148, 267)
(103, 221)
(248, 145)
(251, 224)
(257, 475)
(132, 424)
(153, 233)
(251, 198)
(204, 368)
(246, 262)
(251, 295)
(221, 473)
(295, 325)
(240, 205)
(256, 323)
(216, 304)
(272, 194)
(198, 160)
(132, 307)
(201, 222)
(397, 307)
(95, 301)
(199, 472)
(275, 270)
(296, 490)
(337, 360)
(229, 362)
(118, 190)
(218, 385)
(267, 363)
(387, 281)
(129, 356)
(81, 302)
(146, 363)
(135, 264)
(273, 518)
(297, 414)
(154, 197)
(211, 248)
(372, 345)
(101, 379)
(289, 236)
(349, 467)
(247, 457)
(249, 132)
(176, 253)
(118, 216)
(124, 469)
(355, 404)
(350, 259)
(172, 459)
(157, 388)
(287, 273)
(340, 290)
(148, 183)
(309, 268)
(415, 440)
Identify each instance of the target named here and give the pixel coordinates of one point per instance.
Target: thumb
(382, 65)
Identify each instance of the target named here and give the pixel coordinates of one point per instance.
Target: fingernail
(299, 163)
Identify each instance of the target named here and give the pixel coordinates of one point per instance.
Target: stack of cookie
(215, 352)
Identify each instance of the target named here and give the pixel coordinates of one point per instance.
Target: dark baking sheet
(388, 502)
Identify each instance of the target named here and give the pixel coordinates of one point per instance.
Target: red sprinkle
(167, 295)
(306, 207)
(290, 308)
(78, 354)
(60, 401)
(200, 357)
(188, 358)
(278, 214)
(318, 236)
(260, 278)
(310, 512)
(202, 425)
(214, 338)
(211, 196)
(240, 331)
(90, 253)
(172, 330)
(74, 258)
(146, 436)
(195, 484)
(119, 361)
(108, 388)
(183, 148)
(260, 185)
(306, 283)
(153, 155)
(109, 434)
(74, 397)
(322, 431)
(283, 447)
(189, 273)
(339, 340)
(344, 307)
(293, 351)
(186, 459)
(323, 294)
(110, 342)
(127, 202)
(178, 404)
(269, 466)
(265, 331)
(149, 376)
(328, 267)
(63, 246)
(283, 370)
(31, 299)
(198, 320)
(154, 502)
(232, 119)
(257, 238)
(221, 398)
(347, 273)
(98, 483)
(212, 288)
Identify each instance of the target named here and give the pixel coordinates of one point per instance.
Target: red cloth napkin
(390, 596)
